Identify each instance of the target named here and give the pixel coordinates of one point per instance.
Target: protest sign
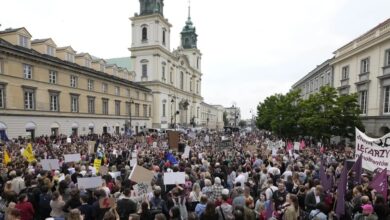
(154, 144)
(133, 162)
(91, 147)
(297, 145)
(186, 153)
(173, 140)
(142, 189)
(376, 151)
(140, 174)
(97, 163)
(114, 175)
(89, 182)
(68, 140)
(174, 178)
(105, 203)
(50, 164)
(72, 158)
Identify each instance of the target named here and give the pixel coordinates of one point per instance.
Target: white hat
(225, 192)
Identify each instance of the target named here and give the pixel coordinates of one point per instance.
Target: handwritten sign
(105, 203)
(89, 182)
(97, 164)
(50, 164)
(140, 174)
(72, 158)
(103, 170)
(186, 153)
(142, 189)
(91, 147)
(174, 178)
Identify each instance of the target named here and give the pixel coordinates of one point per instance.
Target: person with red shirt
(25, 207)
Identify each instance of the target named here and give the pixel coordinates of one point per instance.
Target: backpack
(44, 201)
(156, 207)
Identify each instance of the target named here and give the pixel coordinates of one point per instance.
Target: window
(365, 66)
(387, 57)
(91, 105)
(87, 63)
(144, 34)
(70, 57)
(197, 87)
(197, 62)
(2, 96)
(117, 107)
(117, 90)
(311, 86)
(171, 76)
(23, 41)
(73, 81)
(363, 102)
(386, 105)
(128, 92)
(191, 85)
(50, 50)
(29, 99)
(137, 95)
(54, 102)
(74, 103)
(104, 87)
(197, 112)
(145, 110)
(90, 84)
(27, 71)
(127, 108)
(52, 77)
(163, 110)
(136, 113)
(345, 72)
(181, 80)
(1, 66)
(145, 96)
(163, 73)
(150, 111)
(105, 107)
(163, 37)
(145, 70)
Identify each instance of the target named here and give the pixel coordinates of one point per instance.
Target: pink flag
(322, 149)
(379, 183)
(302, 145)
(290, 145)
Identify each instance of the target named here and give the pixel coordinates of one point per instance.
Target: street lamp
(172, 102)
(131, 102)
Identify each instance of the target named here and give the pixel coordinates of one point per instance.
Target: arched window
(187, 42)
(144, 33)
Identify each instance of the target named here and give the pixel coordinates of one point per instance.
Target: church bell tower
(151, 6)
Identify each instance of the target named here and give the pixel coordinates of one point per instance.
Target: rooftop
(123, 62)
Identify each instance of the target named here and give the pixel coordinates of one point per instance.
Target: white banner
(296, 145)
(72, 158)
(50, 164)
(174, 178)
(89, 182)
(376, 151)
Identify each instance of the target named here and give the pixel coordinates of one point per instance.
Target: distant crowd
(227, 176)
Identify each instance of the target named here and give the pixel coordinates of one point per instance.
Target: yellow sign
(7, 158)
(97, 163)
(28, 153)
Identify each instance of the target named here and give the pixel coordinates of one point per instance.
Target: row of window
(30, 103)
(363, 99)
(53, 79)
(364, 66)
(317, 83)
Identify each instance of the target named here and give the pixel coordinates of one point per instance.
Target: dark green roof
(123, 62)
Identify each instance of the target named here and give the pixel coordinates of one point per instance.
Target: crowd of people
(242, 179)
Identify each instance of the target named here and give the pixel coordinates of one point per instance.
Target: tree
(242, 124)
(225, 119)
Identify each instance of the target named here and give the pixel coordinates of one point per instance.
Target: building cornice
(167, 86)
(30, 54)
(151, 16)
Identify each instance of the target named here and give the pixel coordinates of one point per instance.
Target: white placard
(50, 164)
(89, 182)
(207, 139)
(154, 144)
(186, 153)
(274, 152)
(297, 145)
(133, 162)
(72, 158)
(174, 178)
(69, 140)
(115, 174)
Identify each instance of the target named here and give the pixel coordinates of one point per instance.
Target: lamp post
(172, 101)
(131, 101)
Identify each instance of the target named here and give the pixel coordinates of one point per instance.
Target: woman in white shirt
(196, 193)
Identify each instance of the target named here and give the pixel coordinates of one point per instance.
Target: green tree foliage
(321, 116)
(242, 124)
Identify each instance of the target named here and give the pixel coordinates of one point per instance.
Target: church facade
(173, 76)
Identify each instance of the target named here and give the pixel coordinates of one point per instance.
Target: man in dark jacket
(85, 208)
(313, 198)
(126, 205)
(97, 212)
(44, 203)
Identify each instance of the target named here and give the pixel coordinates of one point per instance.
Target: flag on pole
(7, 158)
(290, 145)
(357, 168)
(341, 188)
(28, 153)
(379, 183)
(302, 145)
(326, 181)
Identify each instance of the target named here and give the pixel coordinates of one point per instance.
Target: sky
(251, 48)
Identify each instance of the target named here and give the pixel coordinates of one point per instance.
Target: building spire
(189, 9)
